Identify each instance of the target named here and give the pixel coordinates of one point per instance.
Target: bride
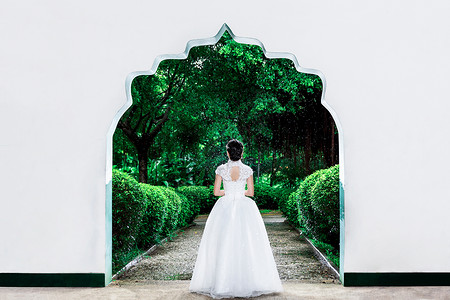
(234, 257)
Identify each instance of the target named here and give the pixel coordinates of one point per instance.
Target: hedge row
(204, 199)
(314, 206)
(288, 205)
(143, 215)
(269, 197)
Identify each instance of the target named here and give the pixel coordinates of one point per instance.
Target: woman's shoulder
(247, 169)
(246, 166)
(221, 168)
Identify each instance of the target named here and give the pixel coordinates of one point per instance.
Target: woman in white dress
(234, 257)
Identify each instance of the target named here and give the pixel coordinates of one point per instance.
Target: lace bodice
(229, 185)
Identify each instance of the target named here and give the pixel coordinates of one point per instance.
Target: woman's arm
(250, 188)
(217, 183)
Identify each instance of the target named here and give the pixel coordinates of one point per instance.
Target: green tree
(183, 115)
(153, 100)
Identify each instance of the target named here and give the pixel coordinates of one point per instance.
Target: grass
(330, 253)
(121, 259)
(178, 277)
(262, 210)
(269, 211)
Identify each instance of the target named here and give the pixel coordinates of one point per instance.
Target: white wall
(62, 72)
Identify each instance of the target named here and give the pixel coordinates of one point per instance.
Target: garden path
(175, 258)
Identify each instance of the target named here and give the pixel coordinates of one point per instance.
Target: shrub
(128, 206)
(325, 204)
(166, 210)
(332, 253)
(281, 195)
(201, 197)
(289, 207)
(175, 214)
(306, 216)
(318, 203)
(188, 210)
(151, 228)
(143, 215)
(266, 196)
(314, 208)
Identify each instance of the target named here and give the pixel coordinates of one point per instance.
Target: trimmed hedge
(325, 204)
(318, 205)
(151, 229)
(143, 215)
(202, 197)
(314, 208)
(289, 207)
(266, 196)
(127, 210)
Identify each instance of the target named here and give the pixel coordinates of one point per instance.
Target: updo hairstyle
(235, 149)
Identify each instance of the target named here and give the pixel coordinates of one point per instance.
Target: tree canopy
(183, 115)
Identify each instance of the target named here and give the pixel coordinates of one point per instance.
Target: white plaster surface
(62, 74)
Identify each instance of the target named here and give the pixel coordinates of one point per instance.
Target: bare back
(234, 173)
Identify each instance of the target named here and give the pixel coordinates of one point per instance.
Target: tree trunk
(259, 162)
(308, 151)
(324, 140)
(333, 152)
(327, 151)
(143, 160)
(272, 172)
(156, 173)
(295, 157)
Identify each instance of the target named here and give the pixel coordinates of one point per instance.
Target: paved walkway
(179, 289)
(175, 259)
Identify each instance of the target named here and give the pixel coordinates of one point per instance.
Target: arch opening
(131, 79)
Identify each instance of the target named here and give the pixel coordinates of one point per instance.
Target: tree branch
(128, 131)
(159, 125)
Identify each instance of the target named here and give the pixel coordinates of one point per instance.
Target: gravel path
(175, 259)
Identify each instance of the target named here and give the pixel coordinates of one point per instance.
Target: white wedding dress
(234, 257)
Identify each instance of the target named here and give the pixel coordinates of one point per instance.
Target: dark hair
(235, 149)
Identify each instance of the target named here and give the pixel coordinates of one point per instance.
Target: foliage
(143, 215)
(314, 208)
(127, 207)
(182, 116)
(331, 253)
(174, 135)
(155, 215)
(179, 210)
(325, 204)
(121, 258)
(267, 196)
(268, 211)
(318, 204)
(288, 205)
(263, 196)
(202, 197)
